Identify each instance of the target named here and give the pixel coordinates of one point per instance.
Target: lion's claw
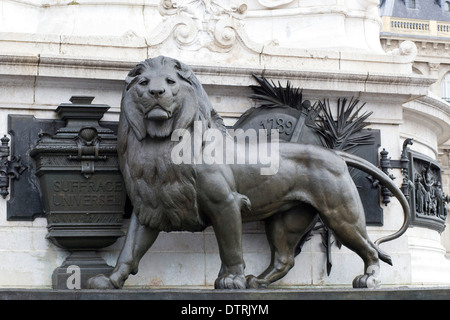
(230, 281)
(255, 283)
(100, 282)
(366, 281)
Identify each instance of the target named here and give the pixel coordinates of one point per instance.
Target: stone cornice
(428, 49)
(50, 66)
(418, 38)
(435, 110)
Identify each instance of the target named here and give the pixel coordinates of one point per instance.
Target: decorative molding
(416, 27)
(120, 68)
(428, 201)
(198, 24)
(427, 49)
(434, 67)
(434, 109)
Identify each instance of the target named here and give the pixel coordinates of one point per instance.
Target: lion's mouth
(158, 113)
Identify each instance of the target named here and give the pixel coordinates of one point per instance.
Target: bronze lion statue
(163, 96)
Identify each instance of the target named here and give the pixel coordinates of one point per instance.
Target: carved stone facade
(427, 26)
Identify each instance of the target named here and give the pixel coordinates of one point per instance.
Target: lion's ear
(133, 116)
(184, 71)
(133, 75)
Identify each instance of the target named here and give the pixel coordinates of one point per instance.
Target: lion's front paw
(100, 282)
(255, 283)
(231, 281)
(366, 281)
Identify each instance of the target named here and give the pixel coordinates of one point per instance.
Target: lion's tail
(366, 166)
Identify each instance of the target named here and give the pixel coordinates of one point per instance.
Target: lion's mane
(163, 195)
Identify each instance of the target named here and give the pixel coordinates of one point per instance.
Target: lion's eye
(170, 81)
(143, 82)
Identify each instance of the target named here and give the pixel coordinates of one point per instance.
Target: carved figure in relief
(429, 196)
(439, 198)
(163, 95)
(420, 195)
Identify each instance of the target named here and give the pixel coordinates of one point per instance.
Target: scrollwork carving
(211, 24)
(224, 34)
(185, 33)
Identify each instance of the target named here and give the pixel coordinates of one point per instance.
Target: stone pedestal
(82, 190)
(78, 267)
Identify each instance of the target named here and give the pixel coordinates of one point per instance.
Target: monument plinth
(82, 188)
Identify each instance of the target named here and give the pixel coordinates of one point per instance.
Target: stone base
(401, 293)
(78, 267)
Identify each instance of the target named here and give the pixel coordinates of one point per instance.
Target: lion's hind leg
(284, 231)
(350, 229)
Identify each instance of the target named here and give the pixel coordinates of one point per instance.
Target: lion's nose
(157, 92)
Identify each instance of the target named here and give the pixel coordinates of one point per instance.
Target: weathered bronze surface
(284, 109)
(163, 95)
(82, 188)
(428, 201)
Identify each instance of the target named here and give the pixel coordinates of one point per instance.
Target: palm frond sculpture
(341, 133)
(344, 131)
(268, 94)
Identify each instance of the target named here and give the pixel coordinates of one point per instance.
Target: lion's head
(161, 95)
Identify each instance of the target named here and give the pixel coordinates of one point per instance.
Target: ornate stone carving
(434, 66)
(204, 24)
(429, 195)
(428, 202)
